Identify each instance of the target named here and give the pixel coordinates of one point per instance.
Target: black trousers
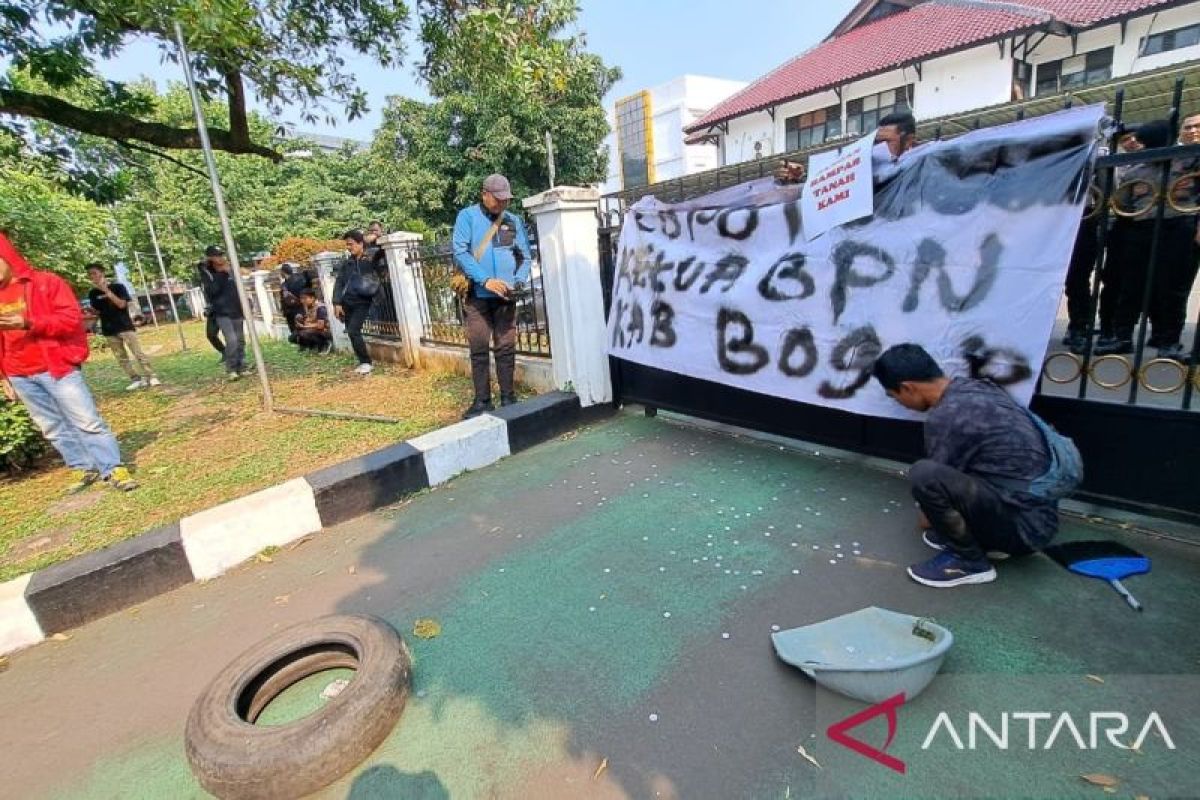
(1173, 288)
(1173, 276)
(356, 317)
(289, 315)
(212, 332)
(311, 340)
(966, 511)
(1079, 278)
(491, 320)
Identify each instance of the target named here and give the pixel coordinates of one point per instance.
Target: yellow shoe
(121, 480)
(83, 479)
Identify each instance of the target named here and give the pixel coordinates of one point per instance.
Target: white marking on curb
(18, 626)
(220, 538)
(471, 444)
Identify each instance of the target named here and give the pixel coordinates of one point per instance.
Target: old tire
(233, 758)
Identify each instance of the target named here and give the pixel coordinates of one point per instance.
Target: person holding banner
(983, 453)
(895, 137)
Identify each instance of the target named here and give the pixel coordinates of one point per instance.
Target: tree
(54, 229)
(307, 194)
(288, 52)
(503, 74)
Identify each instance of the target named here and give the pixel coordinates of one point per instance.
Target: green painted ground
(585, 592)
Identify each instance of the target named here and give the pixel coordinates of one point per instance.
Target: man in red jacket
(42, 345)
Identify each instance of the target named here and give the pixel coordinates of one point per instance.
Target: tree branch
(111, 125)
(162, 155)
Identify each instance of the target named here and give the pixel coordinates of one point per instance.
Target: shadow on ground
(606, 604)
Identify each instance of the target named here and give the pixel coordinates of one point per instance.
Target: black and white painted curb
(209, 543)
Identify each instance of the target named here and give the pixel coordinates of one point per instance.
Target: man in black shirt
(110, 302)
(983, 452)
(292, 281)
(221, 297)
(354, 290)
(205, 271)
(312, 324)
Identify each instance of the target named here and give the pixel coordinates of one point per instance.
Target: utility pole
(550, 156)
(166, 282)
(137, 259)
(227, 232)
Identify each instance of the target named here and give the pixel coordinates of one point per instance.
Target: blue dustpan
(1108, 561)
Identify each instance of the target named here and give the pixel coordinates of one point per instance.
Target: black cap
(213, 250)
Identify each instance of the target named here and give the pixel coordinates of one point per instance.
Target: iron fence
(382, 321)
(442, 319)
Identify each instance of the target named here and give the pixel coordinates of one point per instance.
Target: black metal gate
(1132, 416)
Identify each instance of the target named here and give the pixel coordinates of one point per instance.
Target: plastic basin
(871, 654)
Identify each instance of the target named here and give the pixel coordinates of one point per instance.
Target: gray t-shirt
(979, 429)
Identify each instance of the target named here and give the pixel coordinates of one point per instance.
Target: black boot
(1113, 345)
(1174, 352)
(1076, 341)
(509, 399)
(479, 407)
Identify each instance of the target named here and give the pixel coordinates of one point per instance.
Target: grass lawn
(199, 440)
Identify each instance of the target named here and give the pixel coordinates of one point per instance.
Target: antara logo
(837, 732)
(1018, 729)
(1111, 723)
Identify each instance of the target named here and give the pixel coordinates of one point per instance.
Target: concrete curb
(211, 542)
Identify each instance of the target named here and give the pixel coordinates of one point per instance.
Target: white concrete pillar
(266, 314)
(195, 298)
(325, 264)
(406, 292)
(568, 227)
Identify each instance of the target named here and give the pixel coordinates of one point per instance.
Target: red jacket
(52, 311)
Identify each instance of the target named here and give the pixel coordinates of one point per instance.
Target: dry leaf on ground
(61, 637)
(427, 628)
(603, 766)
(1094, 678)
(805, 754)
(1100, 779)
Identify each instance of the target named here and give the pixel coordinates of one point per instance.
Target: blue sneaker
(939, 543)
(947, 569)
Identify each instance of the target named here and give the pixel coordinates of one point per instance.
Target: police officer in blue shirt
(492, 249)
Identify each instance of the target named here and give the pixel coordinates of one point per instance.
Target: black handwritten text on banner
(966, 251)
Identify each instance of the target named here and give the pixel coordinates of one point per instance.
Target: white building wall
(962, 81)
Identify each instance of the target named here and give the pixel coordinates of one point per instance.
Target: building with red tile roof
(944, 57)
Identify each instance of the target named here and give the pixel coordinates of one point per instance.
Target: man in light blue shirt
(492, 250)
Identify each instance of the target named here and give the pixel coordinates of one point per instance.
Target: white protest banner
(839, 188)
(966, 253)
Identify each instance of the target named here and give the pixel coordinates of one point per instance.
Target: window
(635, 140)
(1171, 40)
(864, 113)
(1070, 73)
(813, 128)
